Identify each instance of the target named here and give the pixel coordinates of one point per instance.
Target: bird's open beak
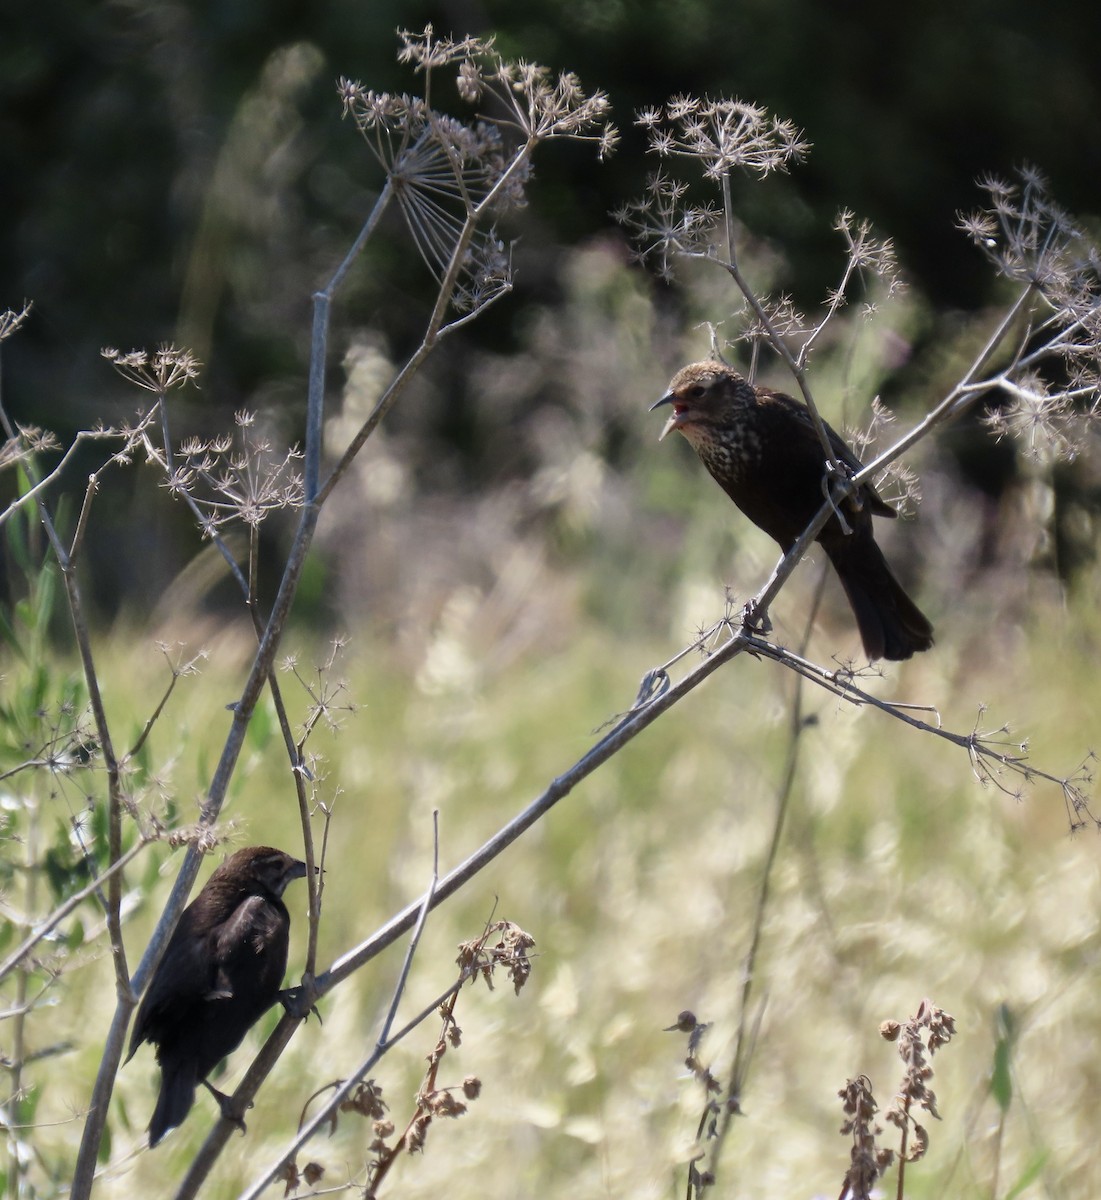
(672, 423)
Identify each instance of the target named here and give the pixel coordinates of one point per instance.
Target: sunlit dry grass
(898, 878)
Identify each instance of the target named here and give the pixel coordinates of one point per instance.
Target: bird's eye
(697, 391)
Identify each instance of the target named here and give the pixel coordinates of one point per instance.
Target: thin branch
(32, 493)
(418, 929)
(259, 674)
(222, 1131)
(965, 393)
(62, 911)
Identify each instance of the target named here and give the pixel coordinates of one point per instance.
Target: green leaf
(104, 1151)
(28, 1105)
(46, 594)
(1001, 1078)
(1030, 1173)
(259, 728)
(7, 632)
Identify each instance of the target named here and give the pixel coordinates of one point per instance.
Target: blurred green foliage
(180, 172)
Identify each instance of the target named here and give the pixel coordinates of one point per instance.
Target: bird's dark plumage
(764, 451)
(221, 971)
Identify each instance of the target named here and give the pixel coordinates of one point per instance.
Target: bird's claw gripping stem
(299, 1002)
(755, 620)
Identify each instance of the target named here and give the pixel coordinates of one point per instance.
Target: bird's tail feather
(891, 625)
(176, 1097)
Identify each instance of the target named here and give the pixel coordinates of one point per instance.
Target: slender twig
(414, 941)
(189, 1189)
(745, 1037)
(63, 910)
(259, 674)
(962, 396)
(147, 729)
(37, 488)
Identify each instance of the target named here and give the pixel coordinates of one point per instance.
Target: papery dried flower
(156, 371)
(724, 135)
(865, 1157)
(869, 253)
(1039, 418)
(10, 320)
(663, 226)
(446, 174)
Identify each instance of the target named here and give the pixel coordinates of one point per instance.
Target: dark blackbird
(221, 971)
(762, 449)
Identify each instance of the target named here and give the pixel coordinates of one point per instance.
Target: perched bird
(221, 971)
(763, 450)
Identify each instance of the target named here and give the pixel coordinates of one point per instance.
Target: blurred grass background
(898, 878)
(515, 550)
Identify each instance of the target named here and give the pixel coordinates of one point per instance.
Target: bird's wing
(181, 978)
(840, 447)
(242, 936)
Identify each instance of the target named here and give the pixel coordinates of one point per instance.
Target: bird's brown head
(705, 395)
(261, 870)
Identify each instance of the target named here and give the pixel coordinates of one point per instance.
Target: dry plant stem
(745, 1038)
(382, 1043)
(985, 759)
(962, 396)
(260, 672)
(794, 365)
(104, 1084)
(447, 1010)
(366, 951)
(62, 911)
(435, 328)
(147, 729)
(607, 747)
(414, 941)
(220, 1134)
(33, 492)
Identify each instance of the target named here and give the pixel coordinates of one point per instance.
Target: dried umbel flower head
(155, 371)
(449, 175)
(1050, 393)
(723, 135)
(243, 478)
(663, 225)
(10, 320)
